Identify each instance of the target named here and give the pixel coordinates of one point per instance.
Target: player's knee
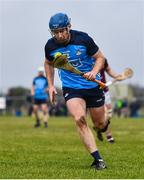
(35, 110)
(104, 127)
(45, 109)
(108, 114)
(45, 112)
(101, 125)
(80, 120)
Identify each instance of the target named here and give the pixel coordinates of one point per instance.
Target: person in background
(80, 93)
(39, 92)
(108, 104)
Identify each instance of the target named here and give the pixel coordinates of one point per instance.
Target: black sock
(37, 121)
(105, 128)
(45, 124)
(109, 136)
(96, 155)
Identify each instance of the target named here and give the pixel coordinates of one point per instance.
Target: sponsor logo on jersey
(99, 100)
(66, 95)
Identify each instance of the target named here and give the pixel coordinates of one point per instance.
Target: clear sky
(116, 26)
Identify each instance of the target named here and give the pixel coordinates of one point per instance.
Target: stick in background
(127, 73)
(60, 61)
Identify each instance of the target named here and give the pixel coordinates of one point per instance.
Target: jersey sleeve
(47, 53)
(46, 82)
(105, 64)
(33, 83)
(92, 48)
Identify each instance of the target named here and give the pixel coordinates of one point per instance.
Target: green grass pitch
(57, 152)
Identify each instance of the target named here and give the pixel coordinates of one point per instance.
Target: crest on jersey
(78, 53)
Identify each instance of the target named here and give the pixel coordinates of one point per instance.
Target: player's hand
(52, 93)
(119, 77)
(31, 98)
(90, 76)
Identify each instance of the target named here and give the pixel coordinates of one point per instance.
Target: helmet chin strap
(65, 42)
(69, 37)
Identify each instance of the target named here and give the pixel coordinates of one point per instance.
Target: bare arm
(49, 70)
(99, 63)
(32, 90)
(100, 59)
(113, 74)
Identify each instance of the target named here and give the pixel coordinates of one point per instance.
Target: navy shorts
(40, 101)
(94, 97)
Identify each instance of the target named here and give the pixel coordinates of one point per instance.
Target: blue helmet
(59, 20)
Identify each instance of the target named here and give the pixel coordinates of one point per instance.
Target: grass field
(57, 153)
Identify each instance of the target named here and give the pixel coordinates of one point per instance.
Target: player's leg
(95, 102)
(44, 109)
(77, 108)
(98, 132)
(97, 116)
(108, 116)
(35, 111)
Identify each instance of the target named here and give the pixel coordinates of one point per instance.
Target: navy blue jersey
(79, 50)
(40, 84)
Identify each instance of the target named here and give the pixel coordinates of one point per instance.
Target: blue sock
(96, 155)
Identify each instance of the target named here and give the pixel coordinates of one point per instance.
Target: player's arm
(94, 51)
(32, 90)
(99, 63)
(113, 74)
(49, 70)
